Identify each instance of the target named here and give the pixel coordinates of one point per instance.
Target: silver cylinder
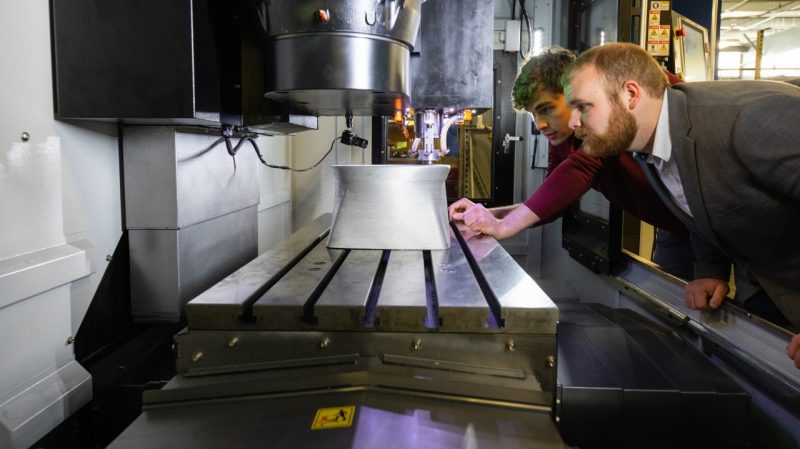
(344, 57)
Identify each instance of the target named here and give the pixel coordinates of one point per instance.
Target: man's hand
(704, 293)
(498, 222)
(457, 209)
(793, 351)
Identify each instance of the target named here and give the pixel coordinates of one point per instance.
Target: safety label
(334, 417)
(660, 5)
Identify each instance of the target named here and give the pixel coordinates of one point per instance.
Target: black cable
(227, 134)
(283, 167)
(535, 150)
(523, 12)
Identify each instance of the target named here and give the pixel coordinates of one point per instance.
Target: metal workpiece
(390, 207)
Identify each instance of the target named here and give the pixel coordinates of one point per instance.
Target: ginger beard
(618, 136)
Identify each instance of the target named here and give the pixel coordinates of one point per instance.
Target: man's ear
(631, 94)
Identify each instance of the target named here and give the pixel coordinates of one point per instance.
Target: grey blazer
(737, 146)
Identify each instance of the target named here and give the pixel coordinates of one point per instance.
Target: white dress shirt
(665, 165)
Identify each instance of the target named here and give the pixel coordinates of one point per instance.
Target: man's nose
(574, 119)
(541, 124)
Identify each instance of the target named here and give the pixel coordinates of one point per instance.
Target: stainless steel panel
(525, 307)
(354, 61)
(398, 20)
(281, 307)
(384, 419)
(31, 415)
(402, 305)
(761, 347)
(341, 306)
(175, 179)
(452, 65)
(221, 306)
(335, 74)
(275, 351)
(462, 306)
(390, 207)
(170, 267)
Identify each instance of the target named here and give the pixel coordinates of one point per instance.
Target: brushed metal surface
(281, 307)
(296, 347)
(342, 304)
(356, 61)
(171, 266)
(220, 306)
(175, 179)
(387, 419)
(390, 19)
(321, 74)
(402, 305)
(462, 306)
(390, 207)
(523, 304)
(400, 293)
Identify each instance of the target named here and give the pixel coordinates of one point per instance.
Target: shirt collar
(662, 144)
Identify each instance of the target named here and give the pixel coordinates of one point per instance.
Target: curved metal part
(390, 207)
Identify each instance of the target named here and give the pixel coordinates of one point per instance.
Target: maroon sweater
(571, 172)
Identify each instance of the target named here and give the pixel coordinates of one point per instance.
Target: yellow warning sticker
(334, 417)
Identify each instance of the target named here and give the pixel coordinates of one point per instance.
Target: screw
(25, 136)
(324, 343)
(551, 361)
(197, 356)
(233, 342)
(70, 340)
(510, 345)
(416, 344)
(558, 419)
(108, 257)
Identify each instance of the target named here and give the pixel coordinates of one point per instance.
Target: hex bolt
(324, 343)
(551, 361)
(197, 356)
(416, 344)
(233, 342)
(510, 345)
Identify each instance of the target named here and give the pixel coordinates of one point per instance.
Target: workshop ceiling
(742, 19)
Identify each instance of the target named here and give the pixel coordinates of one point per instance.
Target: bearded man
(723, 155)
